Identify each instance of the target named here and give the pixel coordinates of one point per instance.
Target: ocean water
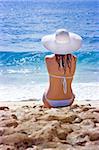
(23, 73)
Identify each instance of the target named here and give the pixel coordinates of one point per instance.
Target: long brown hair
(65, 62)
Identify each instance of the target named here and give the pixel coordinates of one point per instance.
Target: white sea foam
(24, 71)
(83, 91)
(86, 91)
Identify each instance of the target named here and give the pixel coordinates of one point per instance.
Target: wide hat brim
(74, 43)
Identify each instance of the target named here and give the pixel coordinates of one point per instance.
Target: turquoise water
(22, 25)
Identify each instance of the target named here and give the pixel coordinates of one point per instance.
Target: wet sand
(30, 126)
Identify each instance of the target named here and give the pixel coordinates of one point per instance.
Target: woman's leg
(46, 104)
(72, 100)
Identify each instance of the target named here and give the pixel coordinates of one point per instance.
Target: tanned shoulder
(49, 57)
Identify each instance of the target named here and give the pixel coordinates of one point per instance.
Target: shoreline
(94, 103)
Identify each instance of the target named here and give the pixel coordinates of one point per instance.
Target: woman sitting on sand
(61, 67)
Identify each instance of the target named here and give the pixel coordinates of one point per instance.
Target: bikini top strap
(65, 85)
(55, 76)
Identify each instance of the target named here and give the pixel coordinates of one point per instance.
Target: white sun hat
(62, 42)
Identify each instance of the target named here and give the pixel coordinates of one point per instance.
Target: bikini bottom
(60, 103)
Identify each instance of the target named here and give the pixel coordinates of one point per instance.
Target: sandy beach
(29, 126)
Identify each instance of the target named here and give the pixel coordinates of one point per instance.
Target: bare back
(55, 89)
